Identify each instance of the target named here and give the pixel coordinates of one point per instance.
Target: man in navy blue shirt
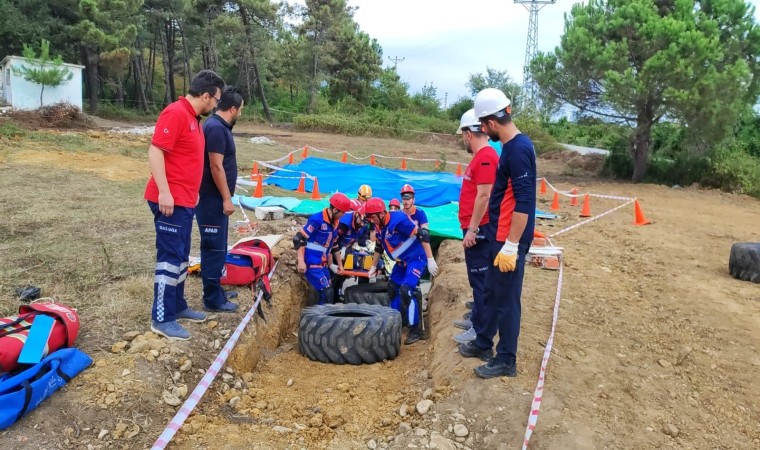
(511, 215)
(215, 204)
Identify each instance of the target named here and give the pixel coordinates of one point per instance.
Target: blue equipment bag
(24, 391)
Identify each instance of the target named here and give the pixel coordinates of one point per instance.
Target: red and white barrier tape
(570, 194)
(378, 155)
(208, 378)
(590, 219)
(538, 394)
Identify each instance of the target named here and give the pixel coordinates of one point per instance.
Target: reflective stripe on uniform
(316, 247)
(403, 247)
(168, 267)
(165, 280)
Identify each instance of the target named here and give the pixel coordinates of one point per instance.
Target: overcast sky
(444, 41)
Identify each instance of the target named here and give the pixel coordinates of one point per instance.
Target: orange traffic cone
(586, 210)
(305, 153)
(543, 186)
(574, 199)
(302, 184)
(259, 192)
(538, 234)
(254, 170)
(403, 163)
(639, 219)
(344, 158)
(437, 164)
(372, 160)
(315, 191)
(459, 170)
(555, 202)
(290, 158)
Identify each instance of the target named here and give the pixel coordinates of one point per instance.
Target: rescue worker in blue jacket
(314, 242)
(351, 229)
(402, 239)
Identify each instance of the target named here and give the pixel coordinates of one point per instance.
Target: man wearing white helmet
(473, 205)
(512, 215)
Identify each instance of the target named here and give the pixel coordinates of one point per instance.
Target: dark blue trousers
(172, 255)
(213, 226)
(502, 306)
(478, 259)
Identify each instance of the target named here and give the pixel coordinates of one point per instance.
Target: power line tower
(395, 61)
(529, 88)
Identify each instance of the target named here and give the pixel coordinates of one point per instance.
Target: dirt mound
(58, 115)
(591, 164)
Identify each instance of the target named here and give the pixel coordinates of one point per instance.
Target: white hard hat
(468, 120)
(490, 101)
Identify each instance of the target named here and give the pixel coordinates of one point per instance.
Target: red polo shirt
(179, 134)
(481, 170)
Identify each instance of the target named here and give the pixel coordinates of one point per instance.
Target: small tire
(367, 294)
(744, 262)
(349, 333)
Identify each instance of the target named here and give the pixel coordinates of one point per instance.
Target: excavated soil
(656, 347)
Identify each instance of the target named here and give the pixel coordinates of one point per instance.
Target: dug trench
(271, 396)
(268, 395)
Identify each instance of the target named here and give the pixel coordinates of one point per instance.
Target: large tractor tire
(367, 294)
(349, 333)
(744, 262)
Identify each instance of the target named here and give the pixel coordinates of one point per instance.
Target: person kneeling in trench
(313, 242)
(403, 241)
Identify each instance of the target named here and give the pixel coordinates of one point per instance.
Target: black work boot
(470, 350)
(496, 368)
(415, 334)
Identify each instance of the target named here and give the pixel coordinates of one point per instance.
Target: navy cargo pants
(477, 259)
(213, 226)
(502, 305)
(172, 255)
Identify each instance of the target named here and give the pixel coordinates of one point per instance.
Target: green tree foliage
(459, 107)
(425, 102)
(640, 61)
(43, 69)
(493, 78)
(390, 92)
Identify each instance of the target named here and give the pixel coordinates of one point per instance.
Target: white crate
(269, 212)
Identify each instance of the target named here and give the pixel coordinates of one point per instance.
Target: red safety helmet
(407, 189)
(373, 206)
(340, 202)
(355, 204)
(395, 202)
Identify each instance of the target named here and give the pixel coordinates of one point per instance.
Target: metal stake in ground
(208, 378)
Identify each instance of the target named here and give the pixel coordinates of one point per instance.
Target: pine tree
(43, 69)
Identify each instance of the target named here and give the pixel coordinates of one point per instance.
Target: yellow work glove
(506, 259)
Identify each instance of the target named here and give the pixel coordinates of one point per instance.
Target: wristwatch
(474, 231)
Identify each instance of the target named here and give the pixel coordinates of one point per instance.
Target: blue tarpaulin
(431, 188)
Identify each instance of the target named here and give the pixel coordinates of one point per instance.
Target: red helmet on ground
(340, 202)
(355, 204)
(373, 206)
(407, 189)
(395, 202)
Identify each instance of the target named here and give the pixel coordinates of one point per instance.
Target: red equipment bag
(15, 329)
(248, 261)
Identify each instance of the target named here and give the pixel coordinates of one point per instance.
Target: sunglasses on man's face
(407, 196)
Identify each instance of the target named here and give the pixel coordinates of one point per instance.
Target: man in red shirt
(175, 157)
(473, 205)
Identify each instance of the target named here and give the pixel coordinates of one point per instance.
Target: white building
(22, 94)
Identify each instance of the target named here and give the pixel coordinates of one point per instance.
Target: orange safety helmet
(407, 189)
(396, 203)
